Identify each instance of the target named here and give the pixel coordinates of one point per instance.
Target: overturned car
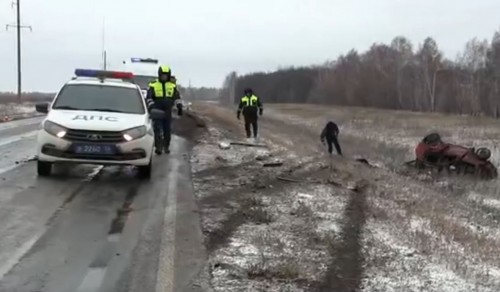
(432, 152)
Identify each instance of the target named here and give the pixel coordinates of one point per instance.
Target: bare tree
(430, 60)
(404, 48)
(470, 65)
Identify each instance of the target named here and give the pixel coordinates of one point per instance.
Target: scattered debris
(249, 144)
(263, 157)
(289, 179)
(220, 158)
(224, 145)
(355, 186)
(34, 158)
(273, 164)
(332, 182)
(364, 161)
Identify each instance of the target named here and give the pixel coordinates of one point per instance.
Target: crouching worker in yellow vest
(161, 95)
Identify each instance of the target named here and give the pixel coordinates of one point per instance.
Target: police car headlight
(54, 129)
(134, 133)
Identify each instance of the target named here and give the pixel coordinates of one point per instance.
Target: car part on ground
(432, 152)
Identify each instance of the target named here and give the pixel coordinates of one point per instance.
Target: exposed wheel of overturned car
(483, 153)
(432, 139)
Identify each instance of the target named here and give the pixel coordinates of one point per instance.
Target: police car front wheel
(144, 172)
(44, 168)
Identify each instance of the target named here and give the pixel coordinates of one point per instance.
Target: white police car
(99, 117)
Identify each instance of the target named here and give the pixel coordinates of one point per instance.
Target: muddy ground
(309, 225)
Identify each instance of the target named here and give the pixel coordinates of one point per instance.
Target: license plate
(94, 149)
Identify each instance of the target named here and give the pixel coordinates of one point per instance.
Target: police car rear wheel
(144, 172)
(44, 168)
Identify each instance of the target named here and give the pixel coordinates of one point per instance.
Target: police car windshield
(143, 81)
(85, 97)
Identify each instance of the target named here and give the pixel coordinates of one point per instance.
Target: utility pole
(18, 26)
(104, 56)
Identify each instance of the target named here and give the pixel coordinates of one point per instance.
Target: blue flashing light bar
(144, 60)
(103, 74)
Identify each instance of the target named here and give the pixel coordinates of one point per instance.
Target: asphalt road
(89, 228)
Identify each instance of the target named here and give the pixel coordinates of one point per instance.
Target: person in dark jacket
(250, 105)
(162, 94)
(330, 133)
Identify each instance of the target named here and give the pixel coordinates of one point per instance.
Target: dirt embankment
(306, 226)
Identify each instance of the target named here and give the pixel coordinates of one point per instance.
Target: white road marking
(95, 276)
(16, 255)
(16, 138)
(165, 275)
(93, 280)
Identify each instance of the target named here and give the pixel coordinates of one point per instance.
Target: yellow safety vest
(249, 101)
(158, 89)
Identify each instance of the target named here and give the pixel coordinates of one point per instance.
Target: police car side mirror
(42, 108)
(157, 114)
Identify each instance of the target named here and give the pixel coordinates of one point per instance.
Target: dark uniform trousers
(250, 116)
(162, 127)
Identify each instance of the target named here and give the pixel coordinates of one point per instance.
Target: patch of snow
(462, 259)
(396, 265)
(305, 196)
(482, 200)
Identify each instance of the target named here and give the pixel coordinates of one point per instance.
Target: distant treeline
(7, 97)
(392, 76)
(199, 93)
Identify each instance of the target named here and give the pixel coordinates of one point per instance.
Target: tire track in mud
(345, 270)
(346, 267)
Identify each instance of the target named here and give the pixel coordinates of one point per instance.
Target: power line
(18, 26)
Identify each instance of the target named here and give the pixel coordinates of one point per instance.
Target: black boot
(158, 148)
(166, 147)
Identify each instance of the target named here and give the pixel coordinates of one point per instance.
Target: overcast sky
(204, 40)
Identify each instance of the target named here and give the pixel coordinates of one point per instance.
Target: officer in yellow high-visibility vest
(250, 104)
(161, 95)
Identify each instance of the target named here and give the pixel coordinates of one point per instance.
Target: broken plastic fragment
(224, 145)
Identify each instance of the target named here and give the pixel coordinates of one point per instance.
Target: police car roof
(103, 82)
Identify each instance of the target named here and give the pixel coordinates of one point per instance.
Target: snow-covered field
(306, 226)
